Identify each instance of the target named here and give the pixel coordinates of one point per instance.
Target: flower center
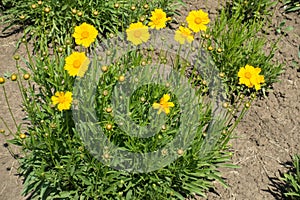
(198, 20)
(159, 16)
(84, 34)
(76, 64)
(61, 98)
(137, 33)
(248, 75)
(185, 33)
(156, 22)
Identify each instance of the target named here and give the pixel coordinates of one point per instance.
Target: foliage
(57, 164)
(55, 20)
(250, 11)
(292, 179)
(291, 6)
(60, 160)
(237, 44)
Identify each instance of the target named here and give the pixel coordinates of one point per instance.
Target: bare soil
(265, 140)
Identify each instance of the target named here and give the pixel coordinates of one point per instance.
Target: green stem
(29, 55)
(20, 84)
(8, 105)
(5, 124)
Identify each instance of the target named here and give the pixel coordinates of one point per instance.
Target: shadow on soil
(278, 187)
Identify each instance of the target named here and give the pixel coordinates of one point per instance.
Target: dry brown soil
(265, 139)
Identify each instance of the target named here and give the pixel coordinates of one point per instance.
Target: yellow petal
(156, 105)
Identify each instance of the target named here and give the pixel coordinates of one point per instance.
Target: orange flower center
(159, 16)
(137, 33)
(61, 97)
(76, 64)
(185, 33)
(156, 22)
(248, 75)
(84, 34)
(198, 20)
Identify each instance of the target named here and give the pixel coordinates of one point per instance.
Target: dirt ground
(266, 138)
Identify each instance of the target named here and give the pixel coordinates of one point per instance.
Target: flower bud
(108, 127)
(121, 78)
(26, 76)
(117, 5)
(180, 152)
(13, 77)
(47, 10)
(146, 6)
(95, 13)
(108, 110)
(210, 48)
(133, 8)
(104, 68)
(22, 136)
(16, 57)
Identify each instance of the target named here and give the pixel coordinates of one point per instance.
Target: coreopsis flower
(183, 35)
(158, 19)
(76, 64)
(137, 33)
(85, 34)
(250, 77)
(164, 104)
(62, 100)
(197, 20)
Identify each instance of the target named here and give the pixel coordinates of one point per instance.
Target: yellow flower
(250, 77)
(85, 34)
(158, 19)
(164, 104)
(183, 34)
(197, 20)
(137, 33)
(76, 64)
(63, 100)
